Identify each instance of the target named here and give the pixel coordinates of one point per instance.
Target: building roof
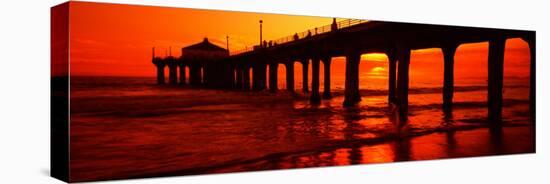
(205, 45)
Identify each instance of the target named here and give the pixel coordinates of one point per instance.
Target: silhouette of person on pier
(334, 25)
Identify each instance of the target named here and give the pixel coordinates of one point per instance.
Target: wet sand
(145, 130)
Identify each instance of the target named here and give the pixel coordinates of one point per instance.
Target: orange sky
(109, 39)
(116, 40)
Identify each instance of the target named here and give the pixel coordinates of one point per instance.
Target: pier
(214, 67)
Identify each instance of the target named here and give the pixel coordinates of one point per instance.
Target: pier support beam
(246, 78)
(208, 75)
(259, 76)
(205, 75)
(495, 72)
(351, 91)
(305, 69)
(273, 69)
(532, 76)
(172, 73)
(263, 77)
(530, 39)
(239, 77)
(315, 98)
(326, 67)
(194, 75)
(403, 57)
(448, 76)
(392, 59)
(258, 70)
(182, 74)
(290, 76)
(160, 73)
(231, 81)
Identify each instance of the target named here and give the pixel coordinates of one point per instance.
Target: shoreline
(259, 164)
(117, 129)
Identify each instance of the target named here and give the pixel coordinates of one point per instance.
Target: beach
(130, 127)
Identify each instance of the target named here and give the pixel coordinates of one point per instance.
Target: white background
(24, 91)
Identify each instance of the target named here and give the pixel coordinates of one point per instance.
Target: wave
(399, 137)
(427, 90)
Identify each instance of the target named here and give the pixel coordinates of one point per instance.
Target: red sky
(116, 40)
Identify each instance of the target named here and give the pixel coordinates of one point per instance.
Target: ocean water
(126, 127)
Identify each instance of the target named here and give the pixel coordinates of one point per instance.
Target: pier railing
(307, 33)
